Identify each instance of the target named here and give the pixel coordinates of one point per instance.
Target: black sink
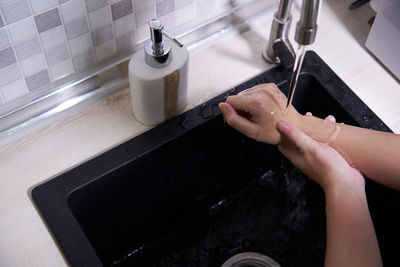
(194, 192)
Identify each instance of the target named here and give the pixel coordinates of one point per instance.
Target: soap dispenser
(158, 77)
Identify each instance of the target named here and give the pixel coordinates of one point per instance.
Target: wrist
(351, 187)
(293, 117)
(316, 128)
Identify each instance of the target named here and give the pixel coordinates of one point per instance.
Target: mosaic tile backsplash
(42, 41)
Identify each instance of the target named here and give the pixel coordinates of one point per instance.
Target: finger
(330, 118)
(298, 138)
(309, 114)
(238, 122)
(241, 102)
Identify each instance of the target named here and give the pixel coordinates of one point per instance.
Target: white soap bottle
(158, 77)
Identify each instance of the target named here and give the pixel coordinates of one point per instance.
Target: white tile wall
(56, 53)
(77, 27)
(169, 20)
(124, 25)
(220, 3)
(81, 44)
(93, 5)
(61, 69)
(100, 17)
(33, 64)
(28, 48)
(48, 20)
(42, 5)
(72, 9)
(53, 37)
(14, 90)
(105, 50)
(2, 101)
(84, 60)
(42, 41)
(185, 13)
(144, 11)
(9, 74)
(4, 40)
(22, 30)
(16, 10)
(38, 80)
(142, 33)
(125, 43)
(204, 7)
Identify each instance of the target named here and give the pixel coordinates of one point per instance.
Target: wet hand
(256, 111)
(319, 161)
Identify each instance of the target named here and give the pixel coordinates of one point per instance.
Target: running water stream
(295, 74)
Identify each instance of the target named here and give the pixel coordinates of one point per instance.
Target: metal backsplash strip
(104, 78)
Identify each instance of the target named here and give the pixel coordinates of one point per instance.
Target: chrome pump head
(157, 50)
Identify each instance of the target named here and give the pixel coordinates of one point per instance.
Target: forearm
(376, 154)
(351, 239)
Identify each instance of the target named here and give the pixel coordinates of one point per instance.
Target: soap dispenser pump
(158, 77)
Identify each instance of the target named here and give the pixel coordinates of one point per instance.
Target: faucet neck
(284, 10)
(306, 28)
(279, 49)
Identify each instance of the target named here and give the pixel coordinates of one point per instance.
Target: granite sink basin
(194, 192)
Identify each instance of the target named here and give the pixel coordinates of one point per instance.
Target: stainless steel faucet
(279, 49)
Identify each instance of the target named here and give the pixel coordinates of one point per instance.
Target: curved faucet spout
(278, 48)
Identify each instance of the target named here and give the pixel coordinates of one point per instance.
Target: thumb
(297, 137)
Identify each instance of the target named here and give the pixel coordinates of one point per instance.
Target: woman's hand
(256, 111)
(351, 239)
(319, 161)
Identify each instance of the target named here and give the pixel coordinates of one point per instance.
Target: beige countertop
(66, 143)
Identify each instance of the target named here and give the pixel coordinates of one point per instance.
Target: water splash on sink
(271, 208)
(127, 256)
(218, 204)
(204, 98)
(208, 111)
(184, 123)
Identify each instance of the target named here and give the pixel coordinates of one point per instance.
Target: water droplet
(204, 98)
(217, 204)
(226, 96)
(207, 111)
(184, 123)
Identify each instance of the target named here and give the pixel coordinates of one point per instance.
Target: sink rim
(50, 197)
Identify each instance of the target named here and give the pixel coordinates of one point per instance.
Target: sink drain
(250, 259)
